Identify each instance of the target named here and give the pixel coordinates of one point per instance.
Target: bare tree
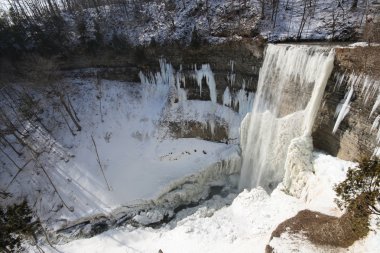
(303, 20)
(99, 162)
(354, 5)
(275, 4)
(69, 111)
(262, 4)
(100, 94)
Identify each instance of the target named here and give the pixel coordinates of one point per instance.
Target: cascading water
(290, 89)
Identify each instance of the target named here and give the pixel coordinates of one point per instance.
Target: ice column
(206, 72)
(344, 109)
(227, 97)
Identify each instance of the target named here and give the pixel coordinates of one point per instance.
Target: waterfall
(290, 89)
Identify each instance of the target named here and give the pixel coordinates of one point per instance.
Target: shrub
(17, 224)
(360, 192)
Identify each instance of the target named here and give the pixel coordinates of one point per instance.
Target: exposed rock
(354, 137)
(193, 129)
(247, 56)
(322, 229)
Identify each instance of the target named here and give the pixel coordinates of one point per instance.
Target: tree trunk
(354, 5)
(67, 108)
(303, 21)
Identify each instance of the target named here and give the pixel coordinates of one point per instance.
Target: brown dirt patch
(322, 229)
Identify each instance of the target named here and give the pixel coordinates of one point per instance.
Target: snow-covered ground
(217, 21)
(125, 157)
(322, 19)
(236, 223)
(124, 131)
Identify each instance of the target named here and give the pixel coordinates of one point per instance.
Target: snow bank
(236, 223)
(124, 120)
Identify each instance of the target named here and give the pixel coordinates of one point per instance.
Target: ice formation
(181, 93)
(322, 77)
(231, 76)
(268, 132)
(244, 100)
(298, 165)
(369, 90)
(375, 127)
(206, 72)
(162, 81)
(227, 97)
(343, 109)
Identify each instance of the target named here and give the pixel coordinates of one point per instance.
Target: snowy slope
(141, 164)
(241, 223)
(166, 21)
(323, 19)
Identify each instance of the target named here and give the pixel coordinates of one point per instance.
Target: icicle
(369, 91)
(369, 88)
(375, 105)
(157, 85)
(344, 109)
(375, 123)
(231, 76)
(339, 80)
(376, 152)
(206, 72)
(376, 126)
(181, 93)
(198, 77)
(227, 97)
(244, 100)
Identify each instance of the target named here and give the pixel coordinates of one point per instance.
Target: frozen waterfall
(290, 88)
(206, 72)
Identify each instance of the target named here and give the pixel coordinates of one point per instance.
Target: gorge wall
(353, 138)
(234, 65)
(246, 55)
(357, 66)
(356, 70)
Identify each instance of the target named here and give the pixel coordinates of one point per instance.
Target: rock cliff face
(246, 55)
(234, 65)
(356, 68)
(355, 135)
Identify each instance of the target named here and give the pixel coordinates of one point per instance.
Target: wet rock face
(354, 137)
